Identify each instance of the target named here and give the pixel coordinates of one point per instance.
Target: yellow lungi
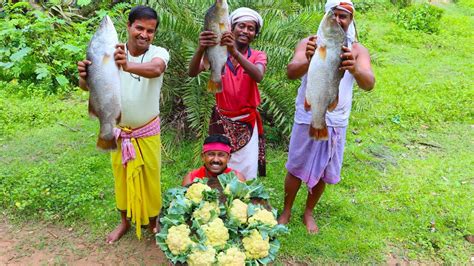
(138, 185)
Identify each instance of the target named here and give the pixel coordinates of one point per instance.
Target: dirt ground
(46, 244)
(40, 244)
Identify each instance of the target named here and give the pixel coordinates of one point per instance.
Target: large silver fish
(324, 76)
(104, 82)
(217, 20)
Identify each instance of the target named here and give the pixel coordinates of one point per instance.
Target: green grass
(408, 161)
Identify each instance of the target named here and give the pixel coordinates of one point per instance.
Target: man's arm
(255, 71)
(357, 62)
(299, 65)
(152, 69)
(187, 180)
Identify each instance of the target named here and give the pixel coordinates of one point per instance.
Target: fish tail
(106, 144)
(333, 105)
(214, 87)
(319, 134)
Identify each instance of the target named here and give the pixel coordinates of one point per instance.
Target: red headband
(216, 146)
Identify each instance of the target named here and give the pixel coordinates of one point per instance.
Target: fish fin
(106, 59)
(322, 52)
(214, 87)
(222, 27)
(92, 112)
(318, 134)
(205, 61)
(119, 118)
(307, 106)
(333, 105)
(106, 145)
(223, 70)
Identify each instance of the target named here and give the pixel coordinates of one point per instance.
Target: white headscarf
(345, 5)
(245, 14)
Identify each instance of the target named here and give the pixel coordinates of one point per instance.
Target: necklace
(137, 77)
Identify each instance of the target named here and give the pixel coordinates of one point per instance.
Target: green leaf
(71, 48)
(62, 80)
(6, 65)
(41, 71)
(83, 2)
(20, 54)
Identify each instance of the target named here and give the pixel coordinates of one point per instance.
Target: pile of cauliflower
(199, 226)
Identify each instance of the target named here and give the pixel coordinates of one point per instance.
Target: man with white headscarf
(235, 114)
(319, 162)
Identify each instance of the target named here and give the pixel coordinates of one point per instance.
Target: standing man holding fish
(312, 159)
(235, 115)
(137, 162)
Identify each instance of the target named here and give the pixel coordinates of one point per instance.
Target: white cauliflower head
(238, 211)
(255, 246)
(216, 233)
(178, 239)
(231, 257)
(194, 192)
(263, 216)
(202, 257)
(203, 213)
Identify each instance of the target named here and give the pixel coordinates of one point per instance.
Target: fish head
(331, 27)
(107, 24)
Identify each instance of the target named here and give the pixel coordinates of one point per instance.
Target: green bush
(364, 6)
(423, 18)
(38, 49)
(41, 48)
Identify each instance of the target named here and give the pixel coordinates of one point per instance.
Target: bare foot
(157, 227)
(284, 217)
(310, 223)
(118, 232)
(152, 226)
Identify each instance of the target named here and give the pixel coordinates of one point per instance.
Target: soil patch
(38, 244)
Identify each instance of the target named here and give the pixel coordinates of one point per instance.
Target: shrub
(423, 18)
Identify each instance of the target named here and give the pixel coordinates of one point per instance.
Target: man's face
(343, 18)
(141, 32)
(215, 161)
(245, 32)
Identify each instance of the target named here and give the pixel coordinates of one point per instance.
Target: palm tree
(185, 98)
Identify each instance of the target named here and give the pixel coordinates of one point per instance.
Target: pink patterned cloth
(128, 151)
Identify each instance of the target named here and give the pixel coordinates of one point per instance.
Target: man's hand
(311, 47)
(82, 69)
(207, 39)
(348, 60)
(228, 40)
(120, 56)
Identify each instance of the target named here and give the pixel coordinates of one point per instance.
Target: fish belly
(322, 88)
(217, 56)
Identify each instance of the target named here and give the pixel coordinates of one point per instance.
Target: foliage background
(408, 167)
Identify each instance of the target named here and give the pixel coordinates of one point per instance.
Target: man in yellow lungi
(137, 162)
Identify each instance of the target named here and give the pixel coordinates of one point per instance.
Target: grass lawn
(408, 173)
